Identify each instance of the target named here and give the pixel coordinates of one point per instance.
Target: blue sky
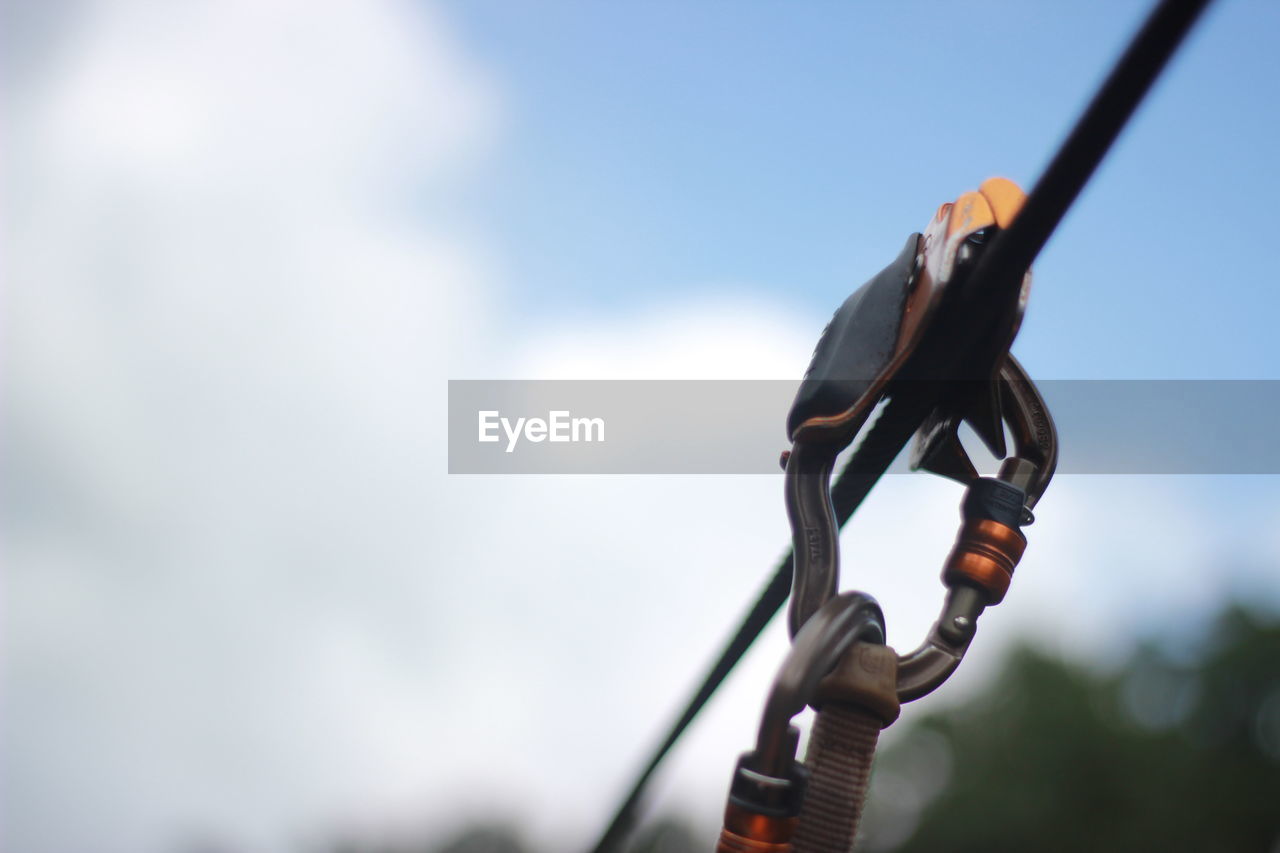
(659, 148)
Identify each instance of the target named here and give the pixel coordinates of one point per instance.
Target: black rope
(1015, 248)
(1003, 264)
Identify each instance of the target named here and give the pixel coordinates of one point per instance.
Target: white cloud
(226, 349)
(344, 96)
(713, 334)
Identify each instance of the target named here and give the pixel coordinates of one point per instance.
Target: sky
(246, 245)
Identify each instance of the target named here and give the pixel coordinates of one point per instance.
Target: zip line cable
(1016, 248)
(1011, 254)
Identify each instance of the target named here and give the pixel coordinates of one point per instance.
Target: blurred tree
(483, 840)
(486, 838)
(670, 835)
(1160, 755)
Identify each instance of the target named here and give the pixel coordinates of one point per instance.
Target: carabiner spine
(815, 534)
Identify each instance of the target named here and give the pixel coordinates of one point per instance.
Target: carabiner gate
(990, 543)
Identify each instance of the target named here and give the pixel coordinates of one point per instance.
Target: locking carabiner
(978, 571)
(769, 785)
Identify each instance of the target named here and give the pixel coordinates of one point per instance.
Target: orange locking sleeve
(985, 554)
(746, 831)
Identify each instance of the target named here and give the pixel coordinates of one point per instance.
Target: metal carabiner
(990, 543)
(769, 784)
(768, 788)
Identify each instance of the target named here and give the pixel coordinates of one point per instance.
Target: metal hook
(769, 780)
(980, 566)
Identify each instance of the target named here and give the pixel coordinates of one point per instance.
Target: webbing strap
(839, 758)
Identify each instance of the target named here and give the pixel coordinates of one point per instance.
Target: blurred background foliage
(1174, 749)
(1169, 752)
